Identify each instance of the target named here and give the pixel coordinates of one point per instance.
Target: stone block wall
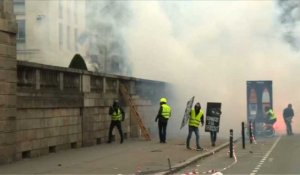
(42, 131)
(7, 82)
(60, 108)
(49, 110)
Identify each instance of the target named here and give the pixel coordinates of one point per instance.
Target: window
(68, 38)
(75, 39)
(21, 35)
(19, 6)
(68, 11)
(60, 9)
(75, 11)
(61, 36)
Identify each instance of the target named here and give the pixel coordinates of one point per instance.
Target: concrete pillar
(132, 87)
(87, 135)
(61, 81)
(8, 79)
(104, 85)
(118, 86)
(86, 83)
(37, 79)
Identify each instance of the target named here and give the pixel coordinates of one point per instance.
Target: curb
(191, 160)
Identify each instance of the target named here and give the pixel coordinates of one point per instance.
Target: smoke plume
(289, 18)
(209, 50)
(106, 21)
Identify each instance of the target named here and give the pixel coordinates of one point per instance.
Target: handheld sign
(213, 114)
(187, 111)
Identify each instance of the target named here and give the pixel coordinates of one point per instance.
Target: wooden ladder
(132, 106)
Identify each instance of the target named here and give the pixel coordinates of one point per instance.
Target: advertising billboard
(259, 96)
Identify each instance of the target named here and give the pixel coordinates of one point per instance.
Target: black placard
(213, 114)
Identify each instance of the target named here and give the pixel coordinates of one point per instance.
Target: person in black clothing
(288, 114)
(162, 117)
(118, 116)
(213, 134)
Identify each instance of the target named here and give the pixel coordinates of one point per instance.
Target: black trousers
(213, 137)
(288, 123)
(162, 129)
(112, 125)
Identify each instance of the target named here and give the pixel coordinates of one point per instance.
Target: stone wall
(7, 82)
(60, 108)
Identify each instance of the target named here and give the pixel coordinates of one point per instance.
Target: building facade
(48, 31)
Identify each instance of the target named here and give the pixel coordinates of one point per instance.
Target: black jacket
(288, 112)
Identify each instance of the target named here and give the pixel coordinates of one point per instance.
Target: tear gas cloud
(206, 49)
(210, 49)
(104, 33)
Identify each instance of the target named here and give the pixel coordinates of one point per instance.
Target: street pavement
(134, 156)
(277, 155)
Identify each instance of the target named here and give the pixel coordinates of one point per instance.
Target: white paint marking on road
(265, 157)
(257, 156)
(252, 173)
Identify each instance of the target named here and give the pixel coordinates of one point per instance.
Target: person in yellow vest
(270, 116)
(117, 116)
(162, 117)
(196, 118)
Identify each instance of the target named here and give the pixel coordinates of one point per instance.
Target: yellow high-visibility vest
(271, 114)
(117, 116)
(166, 111)
(195, 119)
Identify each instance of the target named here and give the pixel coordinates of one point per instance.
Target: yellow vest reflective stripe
(166, 111)
(117, 116)
(272, 114)
(195, 119)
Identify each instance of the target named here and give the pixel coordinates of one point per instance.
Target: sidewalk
(131, 157)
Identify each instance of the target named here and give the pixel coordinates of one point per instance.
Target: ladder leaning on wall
(125, 93)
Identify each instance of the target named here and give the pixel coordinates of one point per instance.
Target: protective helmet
(116, 103)
(163, 100)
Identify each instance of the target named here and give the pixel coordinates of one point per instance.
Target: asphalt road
(277, 155)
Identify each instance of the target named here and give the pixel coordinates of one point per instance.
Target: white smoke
(209, 50)
(289, 16)
(106, 21)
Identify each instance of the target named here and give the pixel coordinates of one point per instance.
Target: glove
(156, 119)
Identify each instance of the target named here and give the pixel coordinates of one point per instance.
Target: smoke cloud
(209, 50)
(106, 47)
(206, 49)
(290, 18)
